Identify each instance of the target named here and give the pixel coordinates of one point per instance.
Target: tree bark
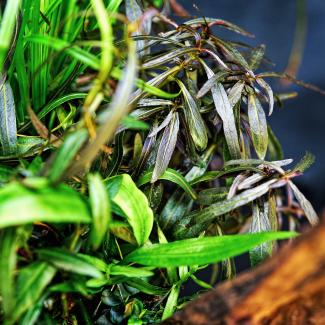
(287, 289)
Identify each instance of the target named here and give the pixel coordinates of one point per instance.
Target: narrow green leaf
(166, 147)
(66, 153)
(129, 271)
(171, 302)
(257, 57)
(146, 287)
(7, 26)
(310, 213)
(133, 203)
(307, 160)
(101, 210)
(258, 125)
(20, 205)
(8, 128)
(8, 260)
(173, 176)
(32, 281)
(69, 262)
(200, 251)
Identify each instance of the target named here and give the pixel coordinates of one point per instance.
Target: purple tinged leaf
(166, 147)
(210, 83)
(162, 125)
(194, 119)
(258, 125)
(235, 93)
(260, 223)
(269, 92)
(310, 213)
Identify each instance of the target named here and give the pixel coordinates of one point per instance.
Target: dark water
(300, 126)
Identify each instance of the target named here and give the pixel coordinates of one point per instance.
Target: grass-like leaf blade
(200, 251)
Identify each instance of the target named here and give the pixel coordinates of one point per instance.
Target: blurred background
(281, 26)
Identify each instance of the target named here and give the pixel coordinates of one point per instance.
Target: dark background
(300, 126)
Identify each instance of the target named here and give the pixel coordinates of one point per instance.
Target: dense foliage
(135, 151)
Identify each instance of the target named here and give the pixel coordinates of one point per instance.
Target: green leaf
(211, 82)
(66, 153)
(100, 208)
(129, 271)
(166, 147)
(194, 120)
(69, 262)
(257, 57)
(134, 205)
(8, 128)
(310, 213)
(8, 21)
(171, 302)
(32, 280)
(8, 260)
(146, 287)
(173, 176)
(307, 160)
(200, 251)
(258, 125)
(20, 205)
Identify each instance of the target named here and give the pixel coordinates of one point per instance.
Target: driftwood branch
(288, 289)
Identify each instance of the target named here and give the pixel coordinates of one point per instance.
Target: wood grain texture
(288, 289)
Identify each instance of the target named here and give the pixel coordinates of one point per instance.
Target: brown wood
(288, 289)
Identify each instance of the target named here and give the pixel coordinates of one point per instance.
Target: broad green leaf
(200, 251)
(173, 176)
(212, 195)
(193, 118)
(100, 208)
(8, 260)
(66, 154)
(310, 213)
(69, 262)
(258, 125)
(8, 128)
(21, 204)
(260, 223)
(171, 301)
(134, 205)
(32, 280)
(130, 122)
(166, 147)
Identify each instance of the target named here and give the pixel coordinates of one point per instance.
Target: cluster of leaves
(130, 160)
